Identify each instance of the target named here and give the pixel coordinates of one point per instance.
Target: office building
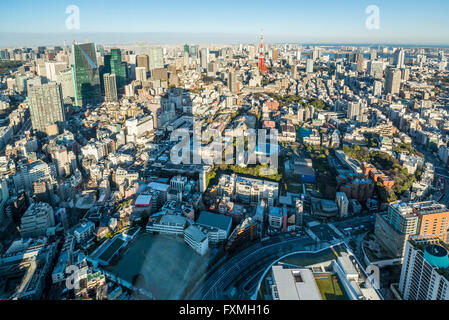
(156, 58)
(196, 239)
(113, 64)
(178, 183)
(142, 62)
(53, 69)
(376, 69)
(354, 111)
(392, 81)
(275, 217)
(46, 105)
(204, 58)
(377, 89)
(193, 51)
(232, 82)
(36, 220)
(84, 232)
(360, 60)
(167, 224)
(309, 66)
(245, 232)
(64, 78)
(218, 226)
(403, 220)
(86, 74)
(110, 87)
(425, 271)
(433, 218)
(399, 58)
(141, 74)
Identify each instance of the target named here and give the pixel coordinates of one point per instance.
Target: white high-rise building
(399, 58)
(425, 271)
(204, 58)
(376, 69)
(309, 66)
(53, 69)
(141, 74)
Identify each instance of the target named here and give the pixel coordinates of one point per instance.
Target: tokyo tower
(261, 64)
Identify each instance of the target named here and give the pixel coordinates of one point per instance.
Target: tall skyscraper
(46, 107)
(376, 69)
(204, 58)
(142, 61)
(141, 74)
(64, 78)
(193, 51)
(294, 71)
(399, 58)
(309, 66)
(113, 64)
(275, 53)
(53, 69)
(232, 82)
(86, 74)
(110, 87)
(392, 80)
(298, 55)
(156, 58)
(425, 271)
(360, 60)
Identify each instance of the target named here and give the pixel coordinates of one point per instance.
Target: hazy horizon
(15, 40)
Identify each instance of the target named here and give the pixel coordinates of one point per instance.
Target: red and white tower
(261, 64)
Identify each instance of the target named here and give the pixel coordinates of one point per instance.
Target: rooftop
(218, 221)
(295, 284)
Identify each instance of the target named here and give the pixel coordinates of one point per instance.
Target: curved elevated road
(243, 266)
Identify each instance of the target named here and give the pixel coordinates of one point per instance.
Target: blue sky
(331, 21)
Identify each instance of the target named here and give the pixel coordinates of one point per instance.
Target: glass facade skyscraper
(156, 58)
(193, 51)
(86, 74)
(113, 64)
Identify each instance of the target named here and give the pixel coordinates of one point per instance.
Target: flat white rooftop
(295, 284)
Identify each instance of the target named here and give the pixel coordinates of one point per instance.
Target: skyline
(114, 22)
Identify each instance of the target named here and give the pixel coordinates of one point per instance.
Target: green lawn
(307, 259)
(330, 287)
